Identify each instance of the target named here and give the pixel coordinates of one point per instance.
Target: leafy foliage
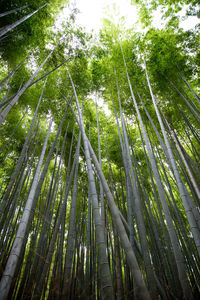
(139, 168)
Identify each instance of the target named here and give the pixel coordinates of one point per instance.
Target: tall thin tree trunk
(101, 188)
(20, 236)
(185, 80)
(12, 11)
(23, 89)
(105, 277)
(11, 73)
(139, 284)
(182, 189)
(21, 158)
(70, 248)
(8, 28)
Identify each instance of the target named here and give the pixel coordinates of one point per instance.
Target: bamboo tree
(140, 221)
(13, 72)
(22, 155)
(10, 137)
(139, 287)
(193, 109)
(23, 89)
(101, 188)
(20, 236)
(8, 28)
(61, 211)
(128, 182)
(72, 221)
(12, 11)
(182, 188)
(187, 166)
(32, 83)
(116, 251)
(106, 283)
(185, 80)
(179, 258)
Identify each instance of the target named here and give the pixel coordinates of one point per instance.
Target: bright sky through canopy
(93, 11)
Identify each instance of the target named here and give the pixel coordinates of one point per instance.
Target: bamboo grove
(97, 201)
